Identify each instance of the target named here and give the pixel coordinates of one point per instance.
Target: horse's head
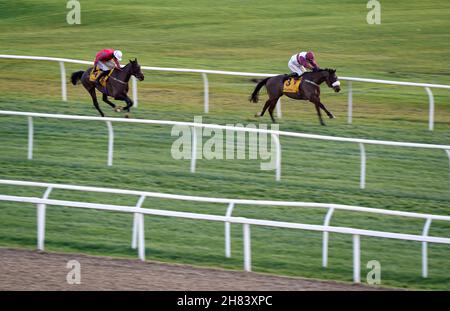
(136, 69)
(332, 80)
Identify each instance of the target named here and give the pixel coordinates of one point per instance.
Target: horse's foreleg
(106, 100)
(329, 114)
(129, 103)
(319, 114)
(95, 102)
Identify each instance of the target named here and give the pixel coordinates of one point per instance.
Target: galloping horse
(309, 90)
(116, 85)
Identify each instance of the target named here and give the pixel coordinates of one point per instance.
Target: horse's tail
(76, 76)
(254, 98)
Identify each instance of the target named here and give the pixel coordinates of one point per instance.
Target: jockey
(106, 60)
(299, 63)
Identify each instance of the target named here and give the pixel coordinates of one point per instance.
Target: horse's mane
(327, 69)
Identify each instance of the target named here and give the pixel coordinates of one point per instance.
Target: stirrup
(100, 77)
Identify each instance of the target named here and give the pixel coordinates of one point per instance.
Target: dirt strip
(32, 270)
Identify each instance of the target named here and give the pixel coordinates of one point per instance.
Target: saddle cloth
(95, 73)
(292, 85)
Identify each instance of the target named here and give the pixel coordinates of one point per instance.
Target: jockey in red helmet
(106, 60)
(301, 62)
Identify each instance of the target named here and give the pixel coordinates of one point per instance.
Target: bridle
(120, 81)
(334, 84)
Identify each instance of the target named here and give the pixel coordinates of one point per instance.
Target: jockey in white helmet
(106, 60)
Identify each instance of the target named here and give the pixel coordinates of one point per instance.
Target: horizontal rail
(436, 86)
(225, 200)
(224, 127)
(236, 220)
(223, 72)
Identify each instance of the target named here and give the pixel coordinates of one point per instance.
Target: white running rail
(274, 134)
(204, 72)
(138, 223)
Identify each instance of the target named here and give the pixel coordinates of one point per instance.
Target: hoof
(127, 115)
(331, 116)
(118, 109)
(257, 115)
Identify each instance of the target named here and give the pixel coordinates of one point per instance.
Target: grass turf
(255, 36)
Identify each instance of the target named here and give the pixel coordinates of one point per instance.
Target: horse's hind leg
(95, 102)
(273, 104)
(266, 105)
(106, 100)
(329, 114)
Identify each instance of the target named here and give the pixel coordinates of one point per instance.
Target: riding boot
(292, 75)
(101, 75)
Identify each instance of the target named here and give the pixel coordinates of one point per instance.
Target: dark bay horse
(116, 85)
(309, 90)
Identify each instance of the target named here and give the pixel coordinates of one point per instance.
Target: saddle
(96, 72)
(292, 85)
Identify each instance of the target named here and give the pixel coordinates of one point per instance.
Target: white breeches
(295, 67)
(106, 65)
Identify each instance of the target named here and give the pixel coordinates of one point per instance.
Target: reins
(120, 81)
(312, 82)
(115, 79)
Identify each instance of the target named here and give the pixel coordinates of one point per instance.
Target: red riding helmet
(310, 55)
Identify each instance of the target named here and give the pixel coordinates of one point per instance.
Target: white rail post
(193, 149)
(134, 89)
(30, 138)
(431, 109)
(205, 93)
(141, 248)
(134, 235)
(247, 249)
(448, 155)
(362, 177)
(228, 231)
(325, 237)
(40, 226)
(41, 220)
(110, 143)
(350, 103)
(47, 193)
(278, 157)
(356, 259)
(426, 229)
(279, 115)
(63, 81)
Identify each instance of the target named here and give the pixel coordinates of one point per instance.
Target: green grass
(253, 36)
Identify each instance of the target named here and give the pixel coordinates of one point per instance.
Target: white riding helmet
(118, 55)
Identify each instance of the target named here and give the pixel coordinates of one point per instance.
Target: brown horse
(309, 90)
(116, 85)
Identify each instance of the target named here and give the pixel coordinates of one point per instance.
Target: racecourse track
(32, 270)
